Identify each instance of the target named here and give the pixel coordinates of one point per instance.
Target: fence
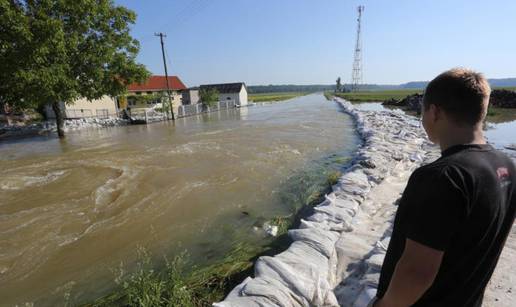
(102, 113)
(87, 113)
(193, 109)
(147, 115)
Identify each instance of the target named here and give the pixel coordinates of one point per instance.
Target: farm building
(236, 92)
(191, 96)
(155, 85)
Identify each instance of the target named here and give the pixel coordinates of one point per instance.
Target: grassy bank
(500, 115)
(372, 96)
(495, 115)
(380, 96)
(509, 88)
(269, 97)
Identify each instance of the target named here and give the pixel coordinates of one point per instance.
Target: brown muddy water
(72, 211)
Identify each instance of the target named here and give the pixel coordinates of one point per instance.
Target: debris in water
(271, 230)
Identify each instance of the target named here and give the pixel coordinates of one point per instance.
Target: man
(455, 213)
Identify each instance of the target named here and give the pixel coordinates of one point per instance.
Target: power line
(168, 59)
(188, 11)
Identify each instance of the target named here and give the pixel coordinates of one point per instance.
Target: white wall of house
(83, 108)
(106, 104)
(191, 97)
(229, 97)
(239, 98)
(242, 96)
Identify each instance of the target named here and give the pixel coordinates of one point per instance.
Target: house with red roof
(110, 106)
(157, 87)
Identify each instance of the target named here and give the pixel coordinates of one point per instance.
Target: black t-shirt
(463, 204)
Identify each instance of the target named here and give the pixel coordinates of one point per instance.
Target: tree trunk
(56, 106)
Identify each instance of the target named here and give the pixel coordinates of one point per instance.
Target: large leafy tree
(54, 51)
(338, 87)
(209, 96)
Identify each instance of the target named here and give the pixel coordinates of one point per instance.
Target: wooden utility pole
(161, 35)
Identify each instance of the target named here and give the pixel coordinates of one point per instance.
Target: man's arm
(414, 274)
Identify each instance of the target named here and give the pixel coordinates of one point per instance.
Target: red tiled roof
(158, 83)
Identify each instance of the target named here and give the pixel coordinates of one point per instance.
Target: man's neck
(461, 136)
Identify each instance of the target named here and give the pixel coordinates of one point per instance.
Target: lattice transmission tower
(356, 75)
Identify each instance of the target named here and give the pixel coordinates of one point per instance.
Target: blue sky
(312, 41)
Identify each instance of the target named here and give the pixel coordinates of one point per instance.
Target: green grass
(510, 88)
(500, 115)
(372, 96)
(333, 177)
(179, 283)
(328, 95)
(268, 97)
(375, 96)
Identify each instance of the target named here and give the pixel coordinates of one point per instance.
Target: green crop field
(500, 115)
(370, 96)
(266, 97)
(510, 88)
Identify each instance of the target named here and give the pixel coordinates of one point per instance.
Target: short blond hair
(460, 92)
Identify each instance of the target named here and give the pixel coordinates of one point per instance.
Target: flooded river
(72, 210)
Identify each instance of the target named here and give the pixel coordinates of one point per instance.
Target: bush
(209, 96)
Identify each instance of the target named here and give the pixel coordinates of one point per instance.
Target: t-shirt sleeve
(437, 207)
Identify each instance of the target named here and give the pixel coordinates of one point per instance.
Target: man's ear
(435, 113)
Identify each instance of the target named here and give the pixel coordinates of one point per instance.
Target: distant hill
(504, 82)
(289, 88)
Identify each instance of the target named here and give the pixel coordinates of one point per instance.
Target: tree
(339, 85)
(56, 51)
(209, 96)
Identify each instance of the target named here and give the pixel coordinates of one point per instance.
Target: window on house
(149, 93)
(138, 93)
(229, 98)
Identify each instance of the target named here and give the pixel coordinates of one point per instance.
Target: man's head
(457, 98)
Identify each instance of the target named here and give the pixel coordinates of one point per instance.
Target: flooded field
(500, 129)
(71, 211)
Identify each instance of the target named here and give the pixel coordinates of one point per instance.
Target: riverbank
(326, 243)
(274, 97)
(337, 253)
(501, 96)
(377, 96)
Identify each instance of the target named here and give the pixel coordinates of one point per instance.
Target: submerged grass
(181, 283)
(328, 95)
(268, 97)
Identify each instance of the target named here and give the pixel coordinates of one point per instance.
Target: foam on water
(111, 189)
(17, 182)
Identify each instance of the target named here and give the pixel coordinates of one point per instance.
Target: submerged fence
(87, 113)
(194, 109)
(147, 115)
